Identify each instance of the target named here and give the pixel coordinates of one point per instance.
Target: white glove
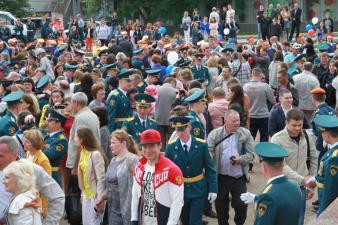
(248, 198)
(311, 180)
(212, 197)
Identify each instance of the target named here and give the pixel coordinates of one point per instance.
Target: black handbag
(73, 202)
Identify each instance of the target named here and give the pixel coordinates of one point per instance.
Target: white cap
(39, 51)
(296, 46)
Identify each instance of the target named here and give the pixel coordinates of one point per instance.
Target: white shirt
(141, 120)
(230, 13)
(274, 178)
(124, 92)
(51, 134)
(149, 204)
(188, 143)
(5, 197)
(230, 149)
(215, 15)
(286, 110)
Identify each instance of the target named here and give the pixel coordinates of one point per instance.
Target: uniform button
(187, 167)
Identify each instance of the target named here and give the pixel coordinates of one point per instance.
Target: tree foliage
(92, 7)
(148, 10)
(16, 7)
(151, 10)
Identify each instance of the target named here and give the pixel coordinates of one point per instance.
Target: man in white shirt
(214, 14)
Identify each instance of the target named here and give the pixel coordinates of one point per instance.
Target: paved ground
(256, 185)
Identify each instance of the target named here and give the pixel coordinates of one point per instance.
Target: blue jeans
(113, 31)
(303, 206)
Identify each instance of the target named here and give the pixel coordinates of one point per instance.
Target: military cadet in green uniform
(191, 155)
(141, 121)
(197, 104)
(280, 201)
(44, 87)
(322, 108)
(56, 144)
(137, 60)
(69, 72)
(184, 56)
(300, 60)
(78, 56)
(152, 78)
(30, 29)
(327, 177)
(8, 125)
(199, 71)
(118, 104)
(103, 59)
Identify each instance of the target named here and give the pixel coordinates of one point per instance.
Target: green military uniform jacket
(202, 73)
(135, 128)
(197, 128)
(182, 60)
(279, 203)
(137, 64)
(77, 87)
(141, 87)
(322, 109)
(43, 101)
(198, 161)
(8, 124)
(327, 178)
(119, 109)
(57, 148)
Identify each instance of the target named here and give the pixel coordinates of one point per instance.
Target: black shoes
(211, 213)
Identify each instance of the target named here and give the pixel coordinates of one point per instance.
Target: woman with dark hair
(25, 121)
(273, 68)
(119, 179)
(102, 114)
(73, 36)
(236, 102)
(56, 98)
(91, 174)
(58, 70)
(131, 94)
(127, 63)
(86, 86)
(310, 51)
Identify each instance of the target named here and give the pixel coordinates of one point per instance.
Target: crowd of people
(154, 130)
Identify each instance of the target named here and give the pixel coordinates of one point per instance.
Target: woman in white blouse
(230, 13)
(24, 207)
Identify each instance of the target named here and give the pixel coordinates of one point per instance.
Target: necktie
(185, 149)
(144, 124)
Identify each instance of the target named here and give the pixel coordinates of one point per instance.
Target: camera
(232, 160)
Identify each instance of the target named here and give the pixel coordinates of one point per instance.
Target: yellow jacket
(41, 159)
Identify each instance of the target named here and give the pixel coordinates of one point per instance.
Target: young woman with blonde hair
(119, 178)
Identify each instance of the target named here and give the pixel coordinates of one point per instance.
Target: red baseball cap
(150, 136)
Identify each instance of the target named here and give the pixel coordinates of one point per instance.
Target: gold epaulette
(267, 189)
(200, 140)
